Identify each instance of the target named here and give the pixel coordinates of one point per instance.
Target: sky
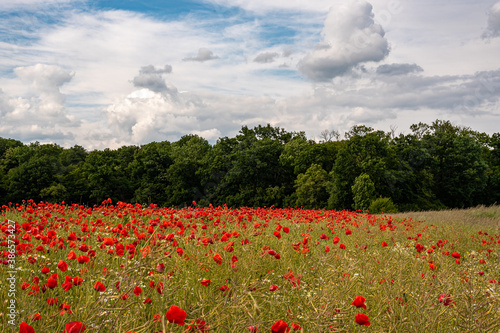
(109, 73)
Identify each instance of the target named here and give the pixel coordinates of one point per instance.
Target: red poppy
(280, 327)
(336, 239)
(362, 319)
(148, 301)
(217, 258)
(25, 328)
(65, 308)
(160, 267)
(45, 270)
(252, 328)
(446, 300)
(159, 287)
(99, 286)
(74, 327)
(71, 255)
(67, 285)
(62, 265)
(359, 302)
(36, 316)
(176, 315)
(433, 267)
(296, 327)
(273, 287)
(51, 301)
(51, 283)
(77, 280)
(277, 234)
(342, 246)
(198, 326)
(137, 291)
(206, 282)
(384, 244)
(455, 255)
(83, 259)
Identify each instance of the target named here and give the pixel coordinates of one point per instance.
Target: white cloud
(351, 37)
(493, 29)
(42, 113)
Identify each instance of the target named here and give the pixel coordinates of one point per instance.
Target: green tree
(311, 188)
(363, 192)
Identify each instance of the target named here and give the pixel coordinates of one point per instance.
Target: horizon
(109, 73)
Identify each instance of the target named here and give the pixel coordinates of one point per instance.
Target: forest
(436, 166)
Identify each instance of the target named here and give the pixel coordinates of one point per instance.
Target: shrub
(382, 205)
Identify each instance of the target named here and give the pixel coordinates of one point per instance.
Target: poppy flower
(148, 301)
(77, 280)
(36, 316)
(26, 328)
(99, 286)
(206, 282)
(342, 246)
(296, 327)
(198, 326)
(446, 299)
(362, 319)
(67, 285)
(83, 259)
(65, 308)
(137, 291)
(71, 255)
(51, 301)
(160, 267)
(359, 302)
(273, 287)
(253, 329)
(277, 234)
(45, 270)
(217, 258)
(336, 239)
(62, 265)
(176, 315)
(433, 267)
(280, 327)
(51, 283)
(74, 327)
(455, 255)
(159, 287)
(384, 244)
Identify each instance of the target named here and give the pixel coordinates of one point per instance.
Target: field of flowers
(120, 267)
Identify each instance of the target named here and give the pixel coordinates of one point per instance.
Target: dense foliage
(435, 166)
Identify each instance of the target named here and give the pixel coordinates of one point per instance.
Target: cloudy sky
(107, 73)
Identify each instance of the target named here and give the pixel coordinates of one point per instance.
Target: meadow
(119, 267)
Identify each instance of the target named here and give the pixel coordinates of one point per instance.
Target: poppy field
(121, 267)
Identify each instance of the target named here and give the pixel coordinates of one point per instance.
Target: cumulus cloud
(398, 69)
(493, 28)
(204, 54)
(351, 37)
(151, 78)
(265, 57)
(41, 114)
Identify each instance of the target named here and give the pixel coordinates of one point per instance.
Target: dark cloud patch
(152, 78)
(493, 28)
(265, 57)
(398, 69)
(204, 54)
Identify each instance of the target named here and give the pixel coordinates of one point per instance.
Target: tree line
(436, 166)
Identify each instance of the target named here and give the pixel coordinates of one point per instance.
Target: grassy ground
(270, 270)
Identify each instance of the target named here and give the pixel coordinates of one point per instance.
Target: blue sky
(119, 72)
